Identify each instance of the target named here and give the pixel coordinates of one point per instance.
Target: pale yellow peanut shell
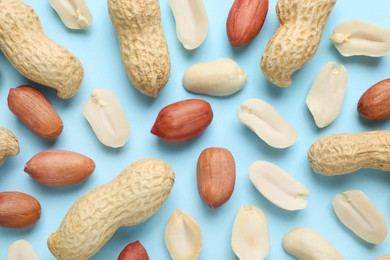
(296, 40)
(130, 199)
(9, 145)
(33, 54)
(144, 49)
(338, 154)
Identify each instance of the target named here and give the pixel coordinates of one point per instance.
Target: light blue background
(98, 51)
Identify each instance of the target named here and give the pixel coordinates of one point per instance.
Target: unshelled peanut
(33, 54)
(130, 199)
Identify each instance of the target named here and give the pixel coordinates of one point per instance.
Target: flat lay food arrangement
(194, 129)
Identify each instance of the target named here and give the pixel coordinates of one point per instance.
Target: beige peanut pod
(296, 40)
(33, 54)
(338, 154)
(130, 199)
(9, 144)
(144, 49)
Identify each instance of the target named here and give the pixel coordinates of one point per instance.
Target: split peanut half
(326, 96)
(73, 13)
(250, 234)
(267, 123)
(107, 118)
(355, 210)
(183, 236)
(21, 250)
(277, 186)
(191, 22)
(306, 244)
(361, 38)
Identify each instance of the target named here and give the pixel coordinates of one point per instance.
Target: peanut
(326, 96)
(9, 144)
(191, 22)
(267, 123)
(296, 40)
(73, 13)
(21, 250)
(183, 120)
(59, 168)
(277, 186)
(183, 236)
(245, 20)
(374, 104)
(216, 176)
(221, 77)
(106, 116)
(35, 111)
(355, 210)
(18, 210)
(306, 244)
(134, 251)
(33, 54)
(338, 154)
(250, 234)
(144, 49)
(130, 199)
(361, 38)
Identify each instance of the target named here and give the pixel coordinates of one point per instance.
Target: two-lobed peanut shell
(216, 176)
(143, 46)
(59, 168)
(33, 54)
(134, 251)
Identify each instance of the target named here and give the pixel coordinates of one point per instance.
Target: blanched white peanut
(107, 118)
(267, 123)
(21, 250)
(221, 77)
(326, 96)
(73, 13)
(361, 38)
(250, 234)
(355, 210)
(191, 22)
(385, 257)
(183, 236)
(277, 186)
(306, 244)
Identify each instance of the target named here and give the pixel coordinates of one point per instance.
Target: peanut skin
(339, 154)
(35, 111)
(296, 40)
(374, 104)
(18, 210)
(33, 54)
(144, 49)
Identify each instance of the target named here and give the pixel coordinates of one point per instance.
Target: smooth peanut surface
(130, 199)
